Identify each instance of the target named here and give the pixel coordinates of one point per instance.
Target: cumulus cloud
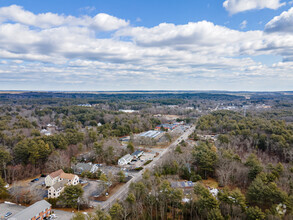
(236, 6)
(281, 23)
(68, 50)
(107, 22)
(101, 22)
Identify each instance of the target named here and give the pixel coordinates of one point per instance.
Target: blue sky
(152, 45)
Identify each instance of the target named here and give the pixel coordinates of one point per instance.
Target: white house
(53, 178)
(58, 176)
(70, 178)
(55, 190)
(58, 180)
(125, 159)
(46, 132)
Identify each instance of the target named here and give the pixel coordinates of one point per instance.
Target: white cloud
(107, 22)
(236, 6)
(243, 24)
(281, 23)
(183, 55)
(101, 22)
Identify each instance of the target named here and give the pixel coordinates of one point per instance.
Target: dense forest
(244, 152)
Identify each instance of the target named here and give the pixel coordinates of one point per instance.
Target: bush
(148, 162)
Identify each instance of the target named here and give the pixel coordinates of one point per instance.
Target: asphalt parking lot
(14, 208)
(93, 188)
(109, 169)
(35, 187)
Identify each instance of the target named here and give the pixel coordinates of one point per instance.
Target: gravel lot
(14, 208)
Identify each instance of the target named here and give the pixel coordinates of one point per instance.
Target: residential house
(55, 190)
(58, 180)
(125, 159)
(58, 176)
(53, 178)
(38, 211)
(70, 178)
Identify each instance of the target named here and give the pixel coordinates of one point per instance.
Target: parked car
(8, 214)
(53, 216)
(34, 180)
(82, 181)
(43, 175)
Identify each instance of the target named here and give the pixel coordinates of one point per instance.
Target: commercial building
(151, 134)
(79, 168)
(125, 159)
(182, 184)
(167, 126)
(37, 211)
(137, 154)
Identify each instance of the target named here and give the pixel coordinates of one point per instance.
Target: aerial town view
(146, 110)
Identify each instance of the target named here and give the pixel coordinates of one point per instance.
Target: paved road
(123, 191)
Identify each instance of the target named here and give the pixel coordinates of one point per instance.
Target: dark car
(8, 214)
(34, 180)
(43, 175)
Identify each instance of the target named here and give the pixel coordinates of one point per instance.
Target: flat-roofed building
(137, 154)
(125, 159)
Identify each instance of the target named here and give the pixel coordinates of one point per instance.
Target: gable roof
(68, 176)
(32, 210)
(57, 185)
(56, 173)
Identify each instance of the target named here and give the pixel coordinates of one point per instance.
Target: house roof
(56, 173)
(84, 166)
(32, 210)
(137, 153)
(57, 185)
(68, 176)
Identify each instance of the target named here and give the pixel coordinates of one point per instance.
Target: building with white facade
(55, 190)
(53, 178)
(125, 159)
